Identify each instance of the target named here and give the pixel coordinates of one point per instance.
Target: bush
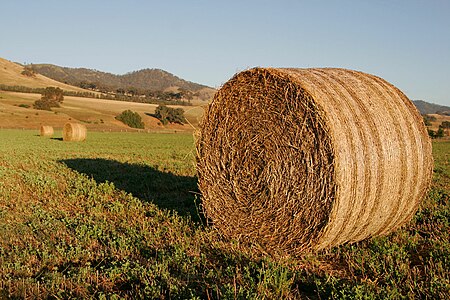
(45, 104)
(130, 118)
(167, 114)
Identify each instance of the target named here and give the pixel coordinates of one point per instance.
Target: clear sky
(405, 42)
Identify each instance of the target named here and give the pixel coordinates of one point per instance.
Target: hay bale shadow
(165, 189)
(57, 139)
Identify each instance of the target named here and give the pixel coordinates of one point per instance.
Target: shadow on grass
(165, 189)
(150, 115)
(57, 139)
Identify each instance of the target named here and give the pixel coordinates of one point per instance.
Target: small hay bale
(46, 131)
(307, 159)
(74, 132)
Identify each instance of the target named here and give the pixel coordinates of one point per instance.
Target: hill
(142, 80)
(427, 108)
(16, 109)
(11, 75)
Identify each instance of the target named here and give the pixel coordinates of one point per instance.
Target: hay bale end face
(46, 131)
(74, 132)
(307, 159)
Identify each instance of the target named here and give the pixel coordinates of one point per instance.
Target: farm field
(119, 216)
(16, 110)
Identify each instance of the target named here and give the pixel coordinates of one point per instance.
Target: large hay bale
(74, 132)
(46, 131)
(301, 159)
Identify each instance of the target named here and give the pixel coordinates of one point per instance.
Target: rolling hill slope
(11, 75)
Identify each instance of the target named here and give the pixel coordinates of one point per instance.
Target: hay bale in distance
(46, 131)
(74, 132)
(307, 159)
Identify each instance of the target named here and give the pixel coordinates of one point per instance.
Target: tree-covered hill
(431, 108)
(141, 81)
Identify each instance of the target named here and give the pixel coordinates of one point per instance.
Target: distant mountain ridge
(144, 80)
(431, 108)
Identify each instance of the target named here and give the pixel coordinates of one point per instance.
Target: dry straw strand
(46, 131)
(74, 132)
(307, 159)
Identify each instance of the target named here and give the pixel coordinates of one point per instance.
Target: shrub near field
(131, 118)
(100, 219)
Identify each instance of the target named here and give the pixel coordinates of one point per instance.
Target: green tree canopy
(167, 114)
(130, 118)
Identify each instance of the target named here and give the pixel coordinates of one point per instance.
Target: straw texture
(74, 132)
(46, 131)
(307, 159)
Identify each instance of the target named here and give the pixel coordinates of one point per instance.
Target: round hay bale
(307, 159)
(46, 131)
(74, 132)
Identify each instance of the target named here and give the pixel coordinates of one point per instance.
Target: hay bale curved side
(300, 159)
(74, 132)
(46, 131)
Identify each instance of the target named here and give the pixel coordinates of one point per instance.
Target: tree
(28, 71)
(132, 91)
(440, 133)
(130, 118)
(186, 94)
(445, 125)
(167, 114)
(50, 97)
(161, 113)
(176, 116)
(427, 119)
(54, 94)
(87, 85)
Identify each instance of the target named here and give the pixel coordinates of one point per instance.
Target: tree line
(152, 97)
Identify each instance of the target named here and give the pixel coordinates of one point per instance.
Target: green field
(118, 216)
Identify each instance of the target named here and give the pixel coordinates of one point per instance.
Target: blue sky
(404, 42)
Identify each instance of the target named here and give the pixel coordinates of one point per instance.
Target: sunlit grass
(118, 215)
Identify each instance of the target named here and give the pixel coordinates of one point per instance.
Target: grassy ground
(117, 216)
